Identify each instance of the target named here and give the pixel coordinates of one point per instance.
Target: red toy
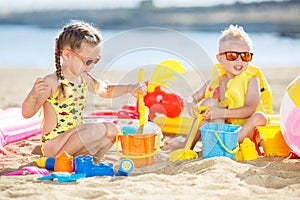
(163, 102)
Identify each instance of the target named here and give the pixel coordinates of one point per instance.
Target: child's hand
(39, 87)
(190, 106)
(214, 113)
(137, 88)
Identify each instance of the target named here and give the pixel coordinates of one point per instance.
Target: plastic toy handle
(200, 108)
(141, 156)
(224, 147)
(41, 162)
(141, 106)
(186, 152)
(194, 127)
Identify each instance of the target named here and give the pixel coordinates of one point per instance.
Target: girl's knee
(111, 131)
(100, 130)
(95, 130)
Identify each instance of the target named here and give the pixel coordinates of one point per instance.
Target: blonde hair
(235, 33)
(73, 35)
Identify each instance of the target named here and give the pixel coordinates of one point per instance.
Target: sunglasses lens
(88, 62)
(246, 56)
(231, 56)
(96, 61)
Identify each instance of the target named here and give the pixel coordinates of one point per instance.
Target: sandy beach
(213, 178)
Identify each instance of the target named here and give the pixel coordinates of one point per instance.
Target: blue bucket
(219, 140)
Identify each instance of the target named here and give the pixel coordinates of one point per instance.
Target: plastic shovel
(142, 109)
(186, 153)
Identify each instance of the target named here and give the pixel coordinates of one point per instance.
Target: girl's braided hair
(73, 35)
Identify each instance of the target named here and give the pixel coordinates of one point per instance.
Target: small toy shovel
(142, 109)
(186, 153)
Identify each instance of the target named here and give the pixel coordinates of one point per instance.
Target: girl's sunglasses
(233, 55)
(86, 61)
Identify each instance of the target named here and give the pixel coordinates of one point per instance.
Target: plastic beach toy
(186, 153)
(63, 163)
(164, 71)
(140, 148)
(219, 140)
(28, 170)
(85, 165)
(246, 151)
(158, 98)
(126, 167)
(62, 177)
(45, 162)
(142, 109)
(290, 116)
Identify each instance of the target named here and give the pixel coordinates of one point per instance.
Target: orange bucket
(138, 147)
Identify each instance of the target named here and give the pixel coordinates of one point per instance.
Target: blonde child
(237, 92)
(62, 94)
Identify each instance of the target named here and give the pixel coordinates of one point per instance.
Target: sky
(21, 5)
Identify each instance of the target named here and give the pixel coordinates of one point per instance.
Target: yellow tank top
(237, 89)
(69, 111)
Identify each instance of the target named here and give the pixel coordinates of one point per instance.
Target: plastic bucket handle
(224, 147)
(137, 156)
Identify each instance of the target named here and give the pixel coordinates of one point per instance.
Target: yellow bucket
(273, 143)
(138, 147)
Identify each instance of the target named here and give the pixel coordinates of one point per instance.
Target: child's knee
(210, 102)
(111, 131)
(95, 130)
(259, 119)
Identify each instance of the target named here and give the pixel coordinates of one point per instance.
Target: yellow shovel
(186, 153)
(142, 109)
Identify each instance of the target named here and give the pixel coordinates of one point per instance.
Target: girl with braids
(62, 94)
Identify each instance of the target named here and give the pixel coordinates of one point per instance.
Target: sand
(213, 178)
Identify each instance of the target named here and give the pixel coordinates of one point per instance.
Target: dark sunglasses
(86, 61)
(233, 55)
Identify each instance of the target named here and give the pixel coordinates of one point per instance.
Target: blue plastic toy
(130, 129)
(62, 177)
(126, 167)
(85, 165)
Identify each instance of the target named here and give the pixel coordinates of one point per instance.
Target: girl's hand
(137, 88)
(39, 88)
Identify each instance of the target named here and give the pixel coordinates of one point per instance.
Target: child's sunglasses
(86, 61)
(233, 55)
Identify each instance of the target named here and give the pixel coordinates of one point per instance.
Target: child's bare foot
(174, 143)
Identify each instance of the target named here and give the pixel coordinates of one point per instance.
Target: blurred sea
(32, 47)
